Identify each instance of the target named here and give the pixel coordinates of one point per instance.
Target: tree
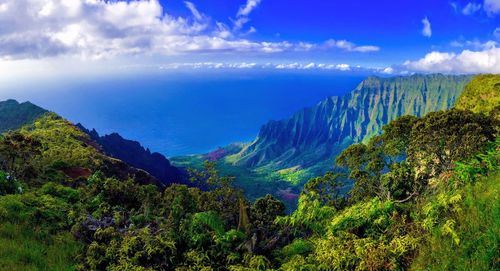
(222, 198)
(442, 138)
(8, 184)
(263, 214)
(396, 136)
(365, 165)
(17, 152)
(378, 168)
(327, 189)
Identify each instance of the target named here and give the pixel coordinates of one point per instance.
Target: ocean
(181, 113)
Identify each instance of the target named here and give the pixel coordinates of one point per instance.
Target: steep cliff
(137, 156)
(316, 135)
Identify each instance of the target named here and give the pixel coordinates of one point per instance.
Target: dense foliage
(426, 196)
(481, 94)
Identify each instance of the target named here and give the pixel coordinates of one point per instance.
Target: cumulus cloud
(426, 29)
(471, 8)
(492, 7)
(96, 29)
(485, 61)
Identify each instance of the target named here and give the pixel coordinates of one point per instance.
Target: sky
(97, 37)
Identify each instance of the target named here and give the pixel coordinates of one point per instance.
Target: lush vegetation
(13, 115)
(288, 152)
(425, 197)
(481, 94)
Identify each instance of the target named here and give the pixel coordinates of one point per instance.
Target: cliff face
(319, 133)
(132, 153)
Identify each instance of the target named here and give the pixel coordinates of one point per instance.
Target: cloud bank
(96, 29)
(485, 61)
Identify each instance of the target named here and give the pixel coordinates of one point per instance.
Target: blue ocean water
(179, 113)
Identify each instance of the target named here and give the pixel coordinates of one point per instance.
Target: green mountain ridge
(14, 115)
(317, 134)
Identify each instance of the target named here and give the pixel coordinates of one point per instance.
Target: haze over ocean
(186, 112)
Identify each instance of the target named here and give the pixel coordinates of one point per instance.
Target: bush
(8, 184)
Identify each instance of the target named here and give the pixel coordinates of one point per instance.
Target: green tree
(17, 151)
(442, 138)
(222, 198)
(327, 189)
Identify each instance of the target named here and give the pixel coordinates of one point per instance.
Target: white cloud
(248, 8)
(343, 67)
(485, 61)
(474, 44)
(349, 46)
(100, 29)
(222, 31)
(242, 15)
(471, 8)
(492, 7)
(196, 14)
(426, 29)
(309, 66)
(388, 70)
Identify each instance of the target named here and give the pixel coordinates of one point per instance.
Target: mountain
(137, 156)
(125, 157)
(13, 115)
(72, 207)
(313, 136)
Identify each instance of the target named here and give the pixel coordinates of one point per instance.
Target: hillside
(481, 94)
(127, 154)
(425, 197)
(314, 136)
(13, 115)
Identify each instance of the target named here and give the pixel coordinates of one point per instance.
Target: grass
(27, 249)
(478, 228)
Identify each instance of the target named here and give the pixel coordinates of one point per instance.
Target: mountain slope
(137, 156)
(13, 115)
(481, 94)
(316, 135)
(131, 157)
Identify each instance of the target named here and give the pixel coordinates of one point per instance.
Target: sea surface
(181, 113)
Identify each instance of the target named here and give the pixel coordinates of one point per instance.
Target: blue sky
(393, 26)
(384, 36)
